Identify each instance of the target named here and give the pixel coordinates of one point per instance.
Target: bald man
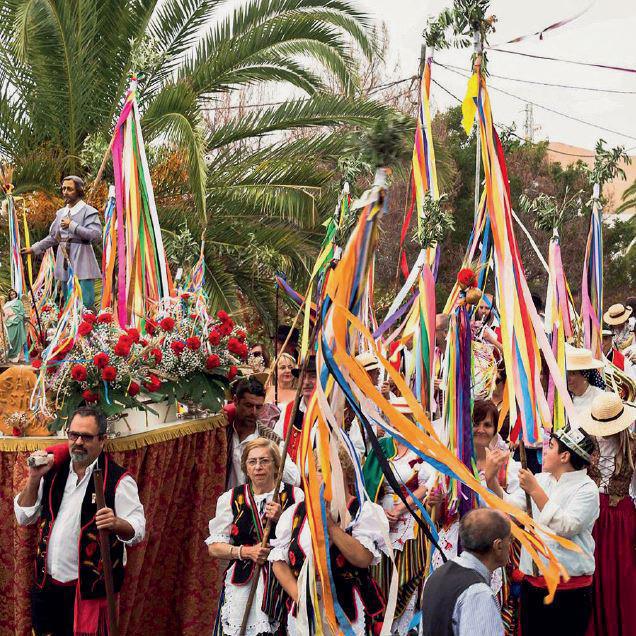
(458, 599)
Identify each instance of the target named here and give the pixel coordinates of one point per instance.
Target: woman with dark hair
(583, 377)
(236, 533)
(352, 551)
(14, 319)
(614, 532)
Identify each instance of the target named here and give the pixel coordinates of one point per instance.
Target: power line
(548, 108)
(557, 59)
(536, 83)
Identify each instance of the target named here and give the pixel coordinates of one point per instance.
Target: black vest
(347, 577)
(90, 575)
(441, 592)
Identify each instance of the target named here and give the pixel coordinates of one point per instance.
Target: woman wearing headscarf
(236, 534)
(609, 421)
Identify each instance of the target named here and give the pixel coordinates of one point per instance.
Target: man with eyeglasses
(69, 594)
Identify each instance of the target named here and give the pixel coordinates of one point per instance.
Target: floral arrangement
(17, 422)
(181, 354)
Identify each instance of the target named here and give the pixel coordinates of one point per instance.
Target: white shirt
(570, 512)
(71, 212)
(583, 403)
(62, 557)
(291, 474)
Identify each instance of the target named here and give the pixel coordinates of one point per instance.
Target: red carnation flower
(151, 327)
(153, 383)
(213, 361)
(231, 374)
(105, 317)
(157, 354)
(89, 317)
(177, 347)
(122, 349)
(46, 308)
(109, 373)
(133, 389)
(78, 373)
(233, 345)
(167, 323)
(225, 328)
(466, 277)
(222, 315)
(36, 364)
(241, 335)
(101, 360)
(185, 296)
(90, 397)
(17, 432)
(215, 337)
(243, 351)
(193, 343)
(143, 342)
(85, 328)
(133, 334)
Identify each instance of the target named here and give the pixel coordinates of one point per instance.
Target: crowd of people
(578, 484)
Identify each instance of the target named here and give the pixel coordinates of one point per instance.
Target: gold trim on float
(125, 442)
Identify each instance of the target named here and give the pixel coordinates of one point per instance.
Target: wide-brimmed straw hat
(580, 359)
(368, 361)
(617, 314)
(609, 415)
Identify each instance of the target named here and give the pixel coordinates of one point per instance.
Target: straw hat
(580, 359)
(368, 361)
(401, 405)
(617, 314)
(609, 415)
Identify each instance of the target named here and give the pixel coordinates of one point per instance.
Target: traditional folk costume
(578, 359)
(408, 541)
(615, 530)
(356, 590)
(69, 595)
(240, 520)
(571, 511)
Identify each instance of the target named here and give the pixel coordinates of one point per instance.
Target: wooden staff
(104, 542)
(524, 464)
(279, 478)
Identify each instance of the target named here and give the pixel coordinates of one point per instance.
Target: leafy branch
(436, 223)
(550, 213)
(606, 162)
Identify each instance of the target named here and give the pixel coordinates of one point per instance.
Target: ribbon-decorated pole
(523, 336)
(592, 284)
(143, 277)
(558, 324)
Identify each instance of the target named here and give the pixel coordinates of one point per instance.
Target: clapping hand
(495, 459)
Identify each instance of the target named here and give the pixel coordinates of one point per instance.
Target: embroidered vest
(91, 583)
(294, 439)
(247, 529)
(347, 577)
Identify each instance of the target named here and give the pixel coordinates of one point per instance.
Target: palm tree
(65, 65)
(628, 200)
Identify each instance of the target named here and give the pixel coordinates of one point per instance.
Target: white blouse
(368, 529)
(236, 596)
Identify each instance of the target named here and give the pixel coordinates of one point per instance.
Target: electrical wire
(547, 108)
(537, 83)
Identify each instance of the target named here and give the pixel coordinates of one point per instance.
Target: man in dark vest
(69, 595)
(458, 599)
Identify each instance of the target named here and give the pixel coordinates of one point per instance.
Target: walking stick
(104, 542)
(279, 478)
(524, 464)
(35, 309)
